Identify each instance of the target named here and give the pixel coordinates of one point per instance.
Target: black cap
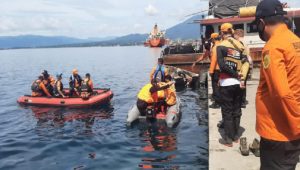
(268, 8)
(45, 74)
(59, 75)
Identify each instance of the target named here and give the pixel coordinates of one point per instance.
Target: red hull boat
(101, 96)
(157, 42)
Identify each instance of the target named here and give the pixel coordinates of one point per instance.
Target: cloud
(151, 10)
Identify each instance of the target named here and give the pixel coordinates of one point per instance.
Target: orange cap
(226, 27)
(75, 71)
(214, 35)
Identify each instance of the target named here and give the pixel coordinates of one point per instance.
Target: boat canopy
(228, 8)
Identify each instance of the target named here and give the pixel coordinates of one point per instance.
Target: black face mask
(261, 30)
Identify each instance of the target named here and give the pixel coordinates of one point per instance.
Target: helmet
(214, 35)
(75, 71)
(45, 74)
(227, 27)
(59, 76)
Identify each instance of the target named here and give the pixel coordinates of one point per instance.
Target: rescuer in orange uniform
(214, 70)
(150, 94)
(278, 94)
(39, 89)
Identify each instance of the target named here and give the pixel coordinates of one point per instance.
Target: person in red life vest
(278, 93)
(75, 82)
(234, 67)
(39, 89)
(87, 86)
(49, 82)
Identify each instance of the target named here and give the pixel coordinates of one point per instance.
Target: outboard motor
(150, 113)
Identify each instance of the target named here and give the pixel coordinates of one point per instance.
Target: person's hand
(240, 75)
(170, 83)
(194, 64)
(242, 85)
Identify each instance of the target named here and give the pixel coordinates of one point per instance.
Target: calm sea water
(47, 138)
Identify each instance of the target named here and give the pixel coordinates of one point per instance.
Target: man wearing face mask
(278, 94)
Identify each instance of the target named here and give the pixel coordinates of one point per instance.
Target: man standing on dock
(234, 67)
(214, 70)
(278, 94)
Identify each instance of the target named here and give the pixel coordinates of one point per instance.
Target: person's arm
(202, 57)
(58, 86)
(91, 84)
(278, 85)
(221, 52)
(244, 70)
(43, 87)
(155, 89)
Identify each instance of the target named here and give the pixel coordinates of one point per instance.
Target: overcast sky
(95, 18)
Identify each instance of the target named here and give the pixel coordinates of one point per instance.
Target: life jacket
(56, 89)
(35, 87)
(160, 69)
(235, 55)
(75, 81)
(85, 87)
(171, 96)
(162, 94)
(146, 96)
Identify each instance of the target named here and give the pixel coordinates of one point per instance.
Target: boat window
(208, 31)
(251, 28)
(238, 26)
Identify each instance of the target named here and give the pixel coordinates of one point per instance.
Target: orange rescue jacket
(278, 94)
(213, 59)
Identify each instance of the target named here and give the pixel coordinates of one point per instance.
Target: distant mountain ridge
(183, 31)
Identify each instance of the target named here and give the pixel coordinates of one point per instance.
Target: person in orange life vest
(159, 71)
(214, 70)
(49, 82)
(75, 82)
(59, 87)
(150, 94)
(278, 93)
(170, 96)
(87, 86)
(234, 67)
(39, 89)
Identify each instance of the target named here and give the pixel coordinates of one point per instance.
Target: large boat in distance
(156, 38)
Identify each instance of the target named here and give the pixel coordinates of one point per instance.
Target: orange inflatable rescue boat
(100, 97)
